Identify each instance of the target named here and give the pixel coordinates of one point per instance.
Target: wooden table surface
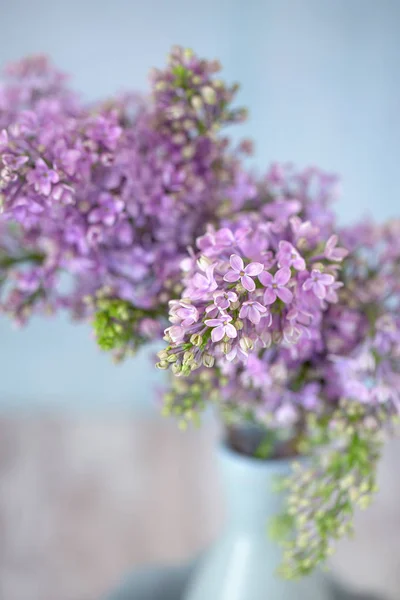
(83, 499)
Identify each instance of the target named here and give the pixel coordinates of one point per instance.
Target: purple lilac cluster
(294, 313)
(266, 279)
(112, 193)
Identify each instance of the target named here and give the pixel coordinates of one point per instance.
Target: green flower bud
(196, 339)
(208, 360)
(209, 95)
(176, 368)
(197, 103)
(162, 365)
(246, 343)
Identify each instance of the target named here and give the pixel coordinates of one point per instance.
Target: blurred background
(85, 460)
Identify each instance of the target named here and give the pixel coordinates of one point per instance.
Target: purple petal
(218, 333)
(213, 322)
(299, 263)
(331, 243)
(319, 290)
(282, 276)
(307, 285)
(254, 315)
(44, 187)
(285, 247)
(266, 278)
(200, 281)
(254, 269)
(248, 283)
(177, 333)
(259, 307)
(236, 262)
(225, 236)
(244, 311)
(326, 279)
(269, 296)
(284, 294)
(230, 330)
(232, 276)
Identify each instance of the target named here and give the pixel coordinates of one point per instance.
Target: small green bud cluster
(116, 325)
(187, 357)
(324, 493)
(187, 399)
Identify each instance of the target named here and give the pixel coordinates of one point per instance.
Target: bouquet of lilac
(299, 320)
(113, 192)
(279, 317)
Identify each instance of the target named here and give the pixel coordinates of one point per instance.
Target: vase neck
(250, 488)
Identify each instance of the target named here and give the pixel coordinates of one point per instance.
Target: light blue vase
(242, 563)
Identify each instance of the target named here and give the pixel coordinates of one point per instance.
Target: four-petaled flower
(222, 326)
(289, 256)
(224, 299)
(14, 162)
(107, 211)
(176, 333)
(245, 274)
(332, 252)
(318, 283)
(184, 313)
(276, 286)
(42, 177)
(205, 283)
(253, 311)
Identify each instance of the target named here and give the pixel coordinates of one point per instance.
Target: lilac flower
(205, 283)
(104, 182)
(276, 286)
(332, 252)
(253, 311)
(289, 256)
(104, 129)
(107, 211)
(224, 299)
(3, 140)
(176, 333)
(319, 283)
(239, 271)
(184, 313)
(222, 238)
(42, 177)
(14, 162)
(222, 327)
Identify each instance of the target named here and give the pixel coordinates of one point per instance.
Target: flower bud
(276, 337)
(226, 347)
(162, 365)
(188, 357)
(196, 339)
(197, 103)
(203, 262)
(176, 368)
(188, 152)
(209, 95)
(246, 343)
(208, 360)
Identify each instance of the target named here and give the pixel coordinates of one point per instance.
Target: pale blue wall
(321, 78)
